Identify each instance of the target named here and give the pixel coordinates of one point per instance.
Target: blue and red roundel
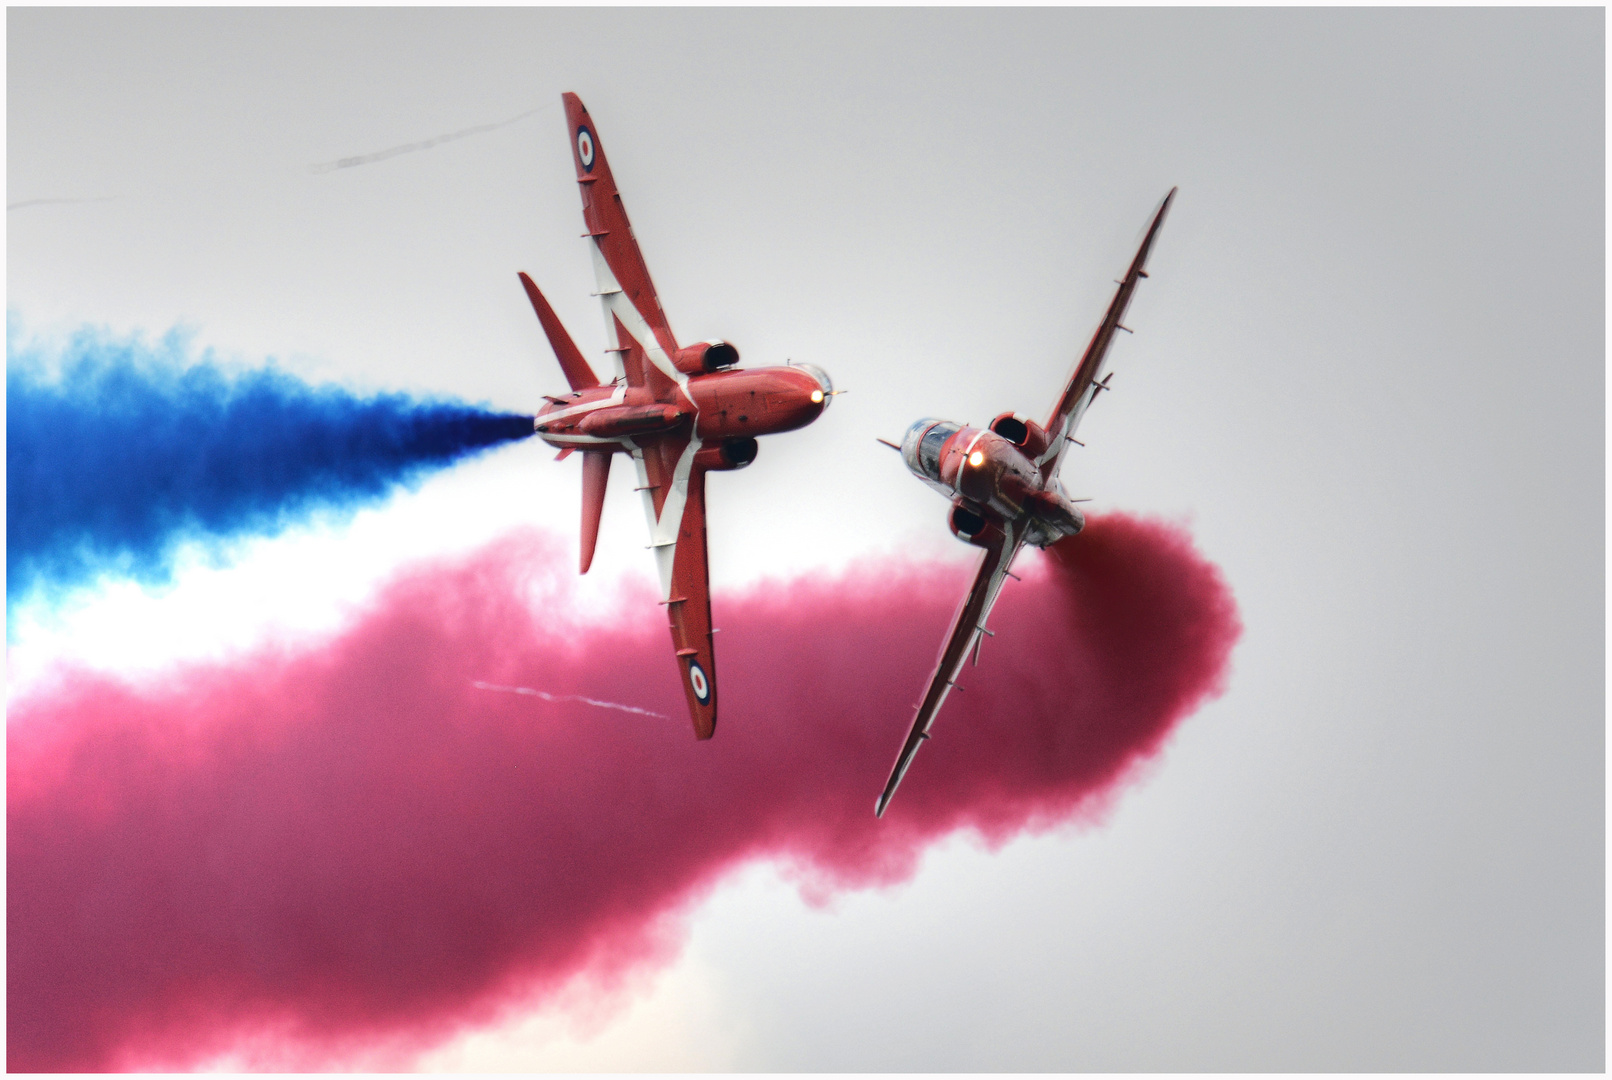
(697, 679)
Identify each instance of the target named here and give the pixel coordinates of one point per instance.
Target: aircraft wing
(674, 502)
(641, 342)
(966, 630)
(1083, 385)
(625, 290)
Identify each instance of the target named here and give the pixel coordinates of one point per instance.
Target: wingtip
(533, 293)
(889, 790)
(1165, 205)
(883, 803)
(575, 112)
(703, 716)
(1137, 266)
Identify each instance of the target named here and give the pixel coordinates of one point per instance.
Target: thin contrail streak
(409, 148)
(528, 691)
(43, 202)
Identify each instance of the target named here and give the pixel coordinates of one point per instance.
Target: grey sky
(1369, 366)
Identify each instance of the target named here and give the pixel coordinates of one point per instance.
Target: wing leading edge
(968, 626)
(1083, 385)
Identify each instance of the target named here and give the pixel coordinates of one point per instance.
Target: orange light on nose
(975, 458)
(817, 397)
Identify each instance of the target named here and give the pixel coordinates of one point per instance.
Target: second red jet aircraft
(1003, 484)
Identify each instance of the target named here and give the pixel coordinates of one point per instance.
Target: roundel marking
(585, 147)
(696, 679)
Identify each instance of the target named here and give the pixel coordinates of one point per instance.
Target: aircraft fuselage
(722, 405)
(993, 479)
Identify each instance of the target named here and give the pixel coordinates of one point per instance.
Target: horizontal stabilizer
(577, 371)
(595, 477)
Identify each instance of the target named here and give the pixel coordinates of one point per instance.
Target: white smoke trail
(529, 692)
(409, 148)
(49, 202)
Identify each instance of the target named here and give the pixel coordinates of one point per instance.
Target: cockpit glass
(929, 447)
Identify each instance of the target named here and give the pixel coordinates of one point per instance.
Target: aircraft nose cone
(824, 393)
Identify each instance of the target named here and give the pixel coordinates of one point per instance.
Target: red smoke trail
(353, 844)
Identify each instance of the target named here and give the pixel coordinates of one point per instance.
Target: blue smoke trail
(118, 451)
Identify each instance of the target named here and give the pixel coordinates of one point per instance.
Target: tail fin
(595, 476)
(577, 371)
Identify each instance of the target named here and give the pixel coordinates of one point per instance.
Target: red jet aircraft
(1003, 483)
(680, 412)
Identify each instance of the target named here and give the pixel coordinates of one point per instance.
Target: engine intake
(1030, 437)
(705, 356)
(973, 527)
(727, 455)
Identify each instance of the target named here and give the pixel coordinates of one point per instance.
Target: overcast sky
(1368, 369)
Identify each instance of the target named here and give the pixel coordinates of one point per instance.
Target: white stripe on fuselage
(577, 410)
(556, 438)
(581, 440)
(663, 528)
